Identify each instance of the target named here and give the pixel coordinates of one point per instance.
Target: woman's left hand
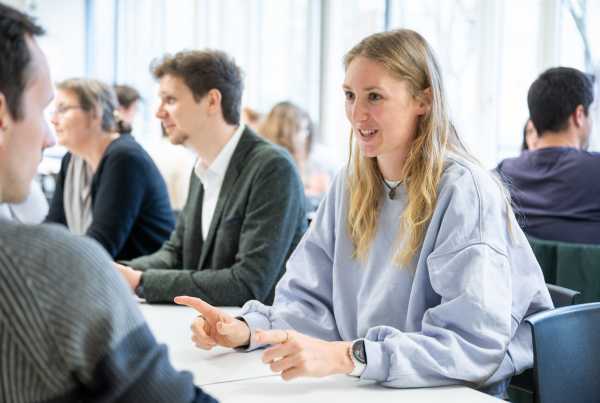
(295, 355)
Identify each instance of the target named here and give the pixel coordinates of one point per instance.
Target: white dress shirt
(212, 178)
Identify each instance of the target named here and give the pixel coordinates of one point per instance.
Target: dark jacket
(258, 220)
(131, 211)
(555, 193)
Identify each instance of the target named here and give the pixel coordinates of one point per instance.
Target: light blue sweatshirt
(454, 315)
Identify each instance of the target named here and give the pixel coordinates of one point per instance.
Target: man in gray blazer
(245, 210)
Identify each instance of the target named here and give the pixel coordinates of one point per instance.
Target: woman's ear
(425, 101)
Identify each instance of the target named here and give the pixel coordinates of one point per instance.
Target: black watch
(358, 351)
(358, 354)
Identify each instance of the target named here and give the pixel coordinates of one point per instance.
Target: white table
(231, 376)
(341, 389)
(171, 326)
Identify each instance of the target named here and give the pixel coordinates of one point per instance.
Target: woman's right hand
(214, 327)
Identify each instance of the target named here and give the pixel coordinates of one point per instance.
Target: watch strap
(358, 356)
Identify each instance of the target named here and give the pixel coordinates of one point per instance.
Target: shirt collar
(219, 166)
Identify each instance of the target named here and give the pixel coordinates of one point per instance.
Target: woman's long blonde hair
(407, 56)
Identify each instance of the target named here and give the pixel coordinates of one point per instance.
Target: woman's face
(71, 123)
(382, 112)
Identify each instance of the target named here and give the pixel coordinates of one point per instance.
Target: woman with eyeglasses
(108, 187)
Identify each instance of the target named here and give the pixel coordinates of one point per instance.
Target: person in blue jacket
(414, 272)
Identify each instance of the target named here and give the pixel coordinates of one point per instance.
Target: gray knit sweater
(69, 328)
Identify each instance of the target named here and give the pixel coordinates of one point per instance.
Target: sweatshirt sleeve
(304, 295)
(465, 337)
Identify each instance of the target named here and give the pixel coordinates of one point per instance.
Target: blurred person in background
(129, 99)
(290, 126)
(530, 137)
(550, 187)
(251, 117)
(108, 187)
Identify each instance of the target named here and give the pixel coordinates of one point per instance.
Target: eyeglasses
(62, 109)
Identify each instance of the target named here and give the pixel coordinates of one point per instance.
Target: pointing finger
(208, 311)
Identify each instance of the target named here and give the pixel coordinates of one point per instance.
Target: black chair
(562, 296)
(566, 351)
(522, 386)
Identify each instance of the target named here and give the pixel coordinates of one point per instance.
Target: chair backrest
(562, 296)
(522, 386)
(576, 266)
(566, 350)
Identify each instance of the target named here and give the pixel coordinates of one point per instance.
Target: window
(346, 22)
(490, 52)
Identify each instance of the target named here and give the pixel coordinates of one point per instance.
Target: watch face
(358, 351)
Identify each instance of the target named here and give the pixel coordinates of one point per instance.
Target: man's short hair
(555, 95)
(126, 95)
(15, 55)
(203, 70)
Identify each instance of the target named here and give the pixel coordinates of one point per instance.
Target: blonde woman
(290, 126)
(414, 272)
(108, 188)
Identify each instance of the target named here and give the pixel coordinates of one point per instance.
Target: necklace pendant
(392, 193)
